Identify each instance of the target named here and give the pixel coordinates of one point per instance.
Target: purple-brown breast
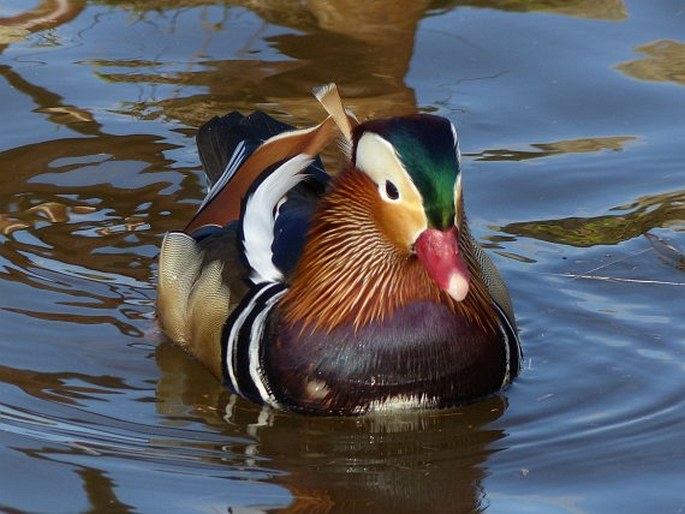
(423, 354)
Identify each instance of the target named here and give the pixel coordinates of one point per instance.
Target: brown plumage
(351, 273)
(225, 208)
(340, 295)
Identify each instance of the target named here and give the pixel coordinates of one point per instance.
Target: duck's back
(203, 270)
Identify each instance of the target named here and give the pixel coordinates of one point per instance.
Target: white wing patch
(259, 218)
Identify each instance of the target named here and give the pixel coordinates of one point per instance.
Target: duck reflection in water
(418, 461)
(432, 461)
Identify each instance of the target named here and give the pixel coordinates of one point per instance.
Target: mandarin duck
(345, 294)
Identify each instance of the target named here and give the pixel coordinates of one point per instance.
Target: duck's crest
(329, 97)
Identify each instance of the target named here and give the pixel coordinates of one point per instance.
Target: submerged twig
(620, 279)
(666, 252)
(607, 264)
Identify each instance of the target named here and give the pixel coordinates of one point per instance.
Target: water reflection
(585, 145)
(414, 462)
(47, 102)
(63, 387)
(74, 182)
(364, 47)
(665, 210)
(668, 254)
(47, 14)
(665, 62)
(100, 491)
(77, 213)
(614, 10)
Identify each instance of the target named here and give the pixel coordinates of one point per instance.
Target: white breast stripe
(233, 164)
(256, 371)
(506, 330)
(507, 357)
(232, 340)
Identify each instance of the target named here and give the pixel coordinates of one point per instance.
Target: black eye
(391, 190)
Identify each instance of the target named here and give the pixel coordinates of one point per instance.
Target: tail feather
(180, 263)
(207, 309)
(218, 139)
(193, 301)
(236, 150)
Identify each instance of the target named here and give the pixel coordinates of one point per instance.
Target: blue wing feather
(290, 231)
(224, 143)
(294, 218)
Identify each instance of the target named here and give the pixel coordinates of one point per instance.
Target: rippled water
(571, 118)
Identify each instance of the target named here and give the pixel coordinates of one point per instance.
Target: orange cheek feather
(400, 224)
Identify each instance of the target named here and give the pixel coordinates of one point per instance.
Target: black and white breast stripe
(244, 332)
(512, 346)
(243, 343)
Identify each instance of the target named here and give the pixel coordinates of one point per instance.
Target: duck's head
(414, 162)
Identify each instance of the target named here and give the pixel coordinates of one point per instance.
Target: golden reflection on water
(365, 47)
(285, 12)
(59, 113)
(77, 228)
(665, 62)
(614, 10)
(47, 14)
(584, 145)
(61, 387)
(665, 210)
(374, 42)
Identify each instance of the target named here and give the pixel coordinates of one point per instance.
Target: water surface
(571, 121)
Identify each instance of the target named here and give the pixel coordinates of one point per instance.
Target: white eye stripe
(377, 158)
